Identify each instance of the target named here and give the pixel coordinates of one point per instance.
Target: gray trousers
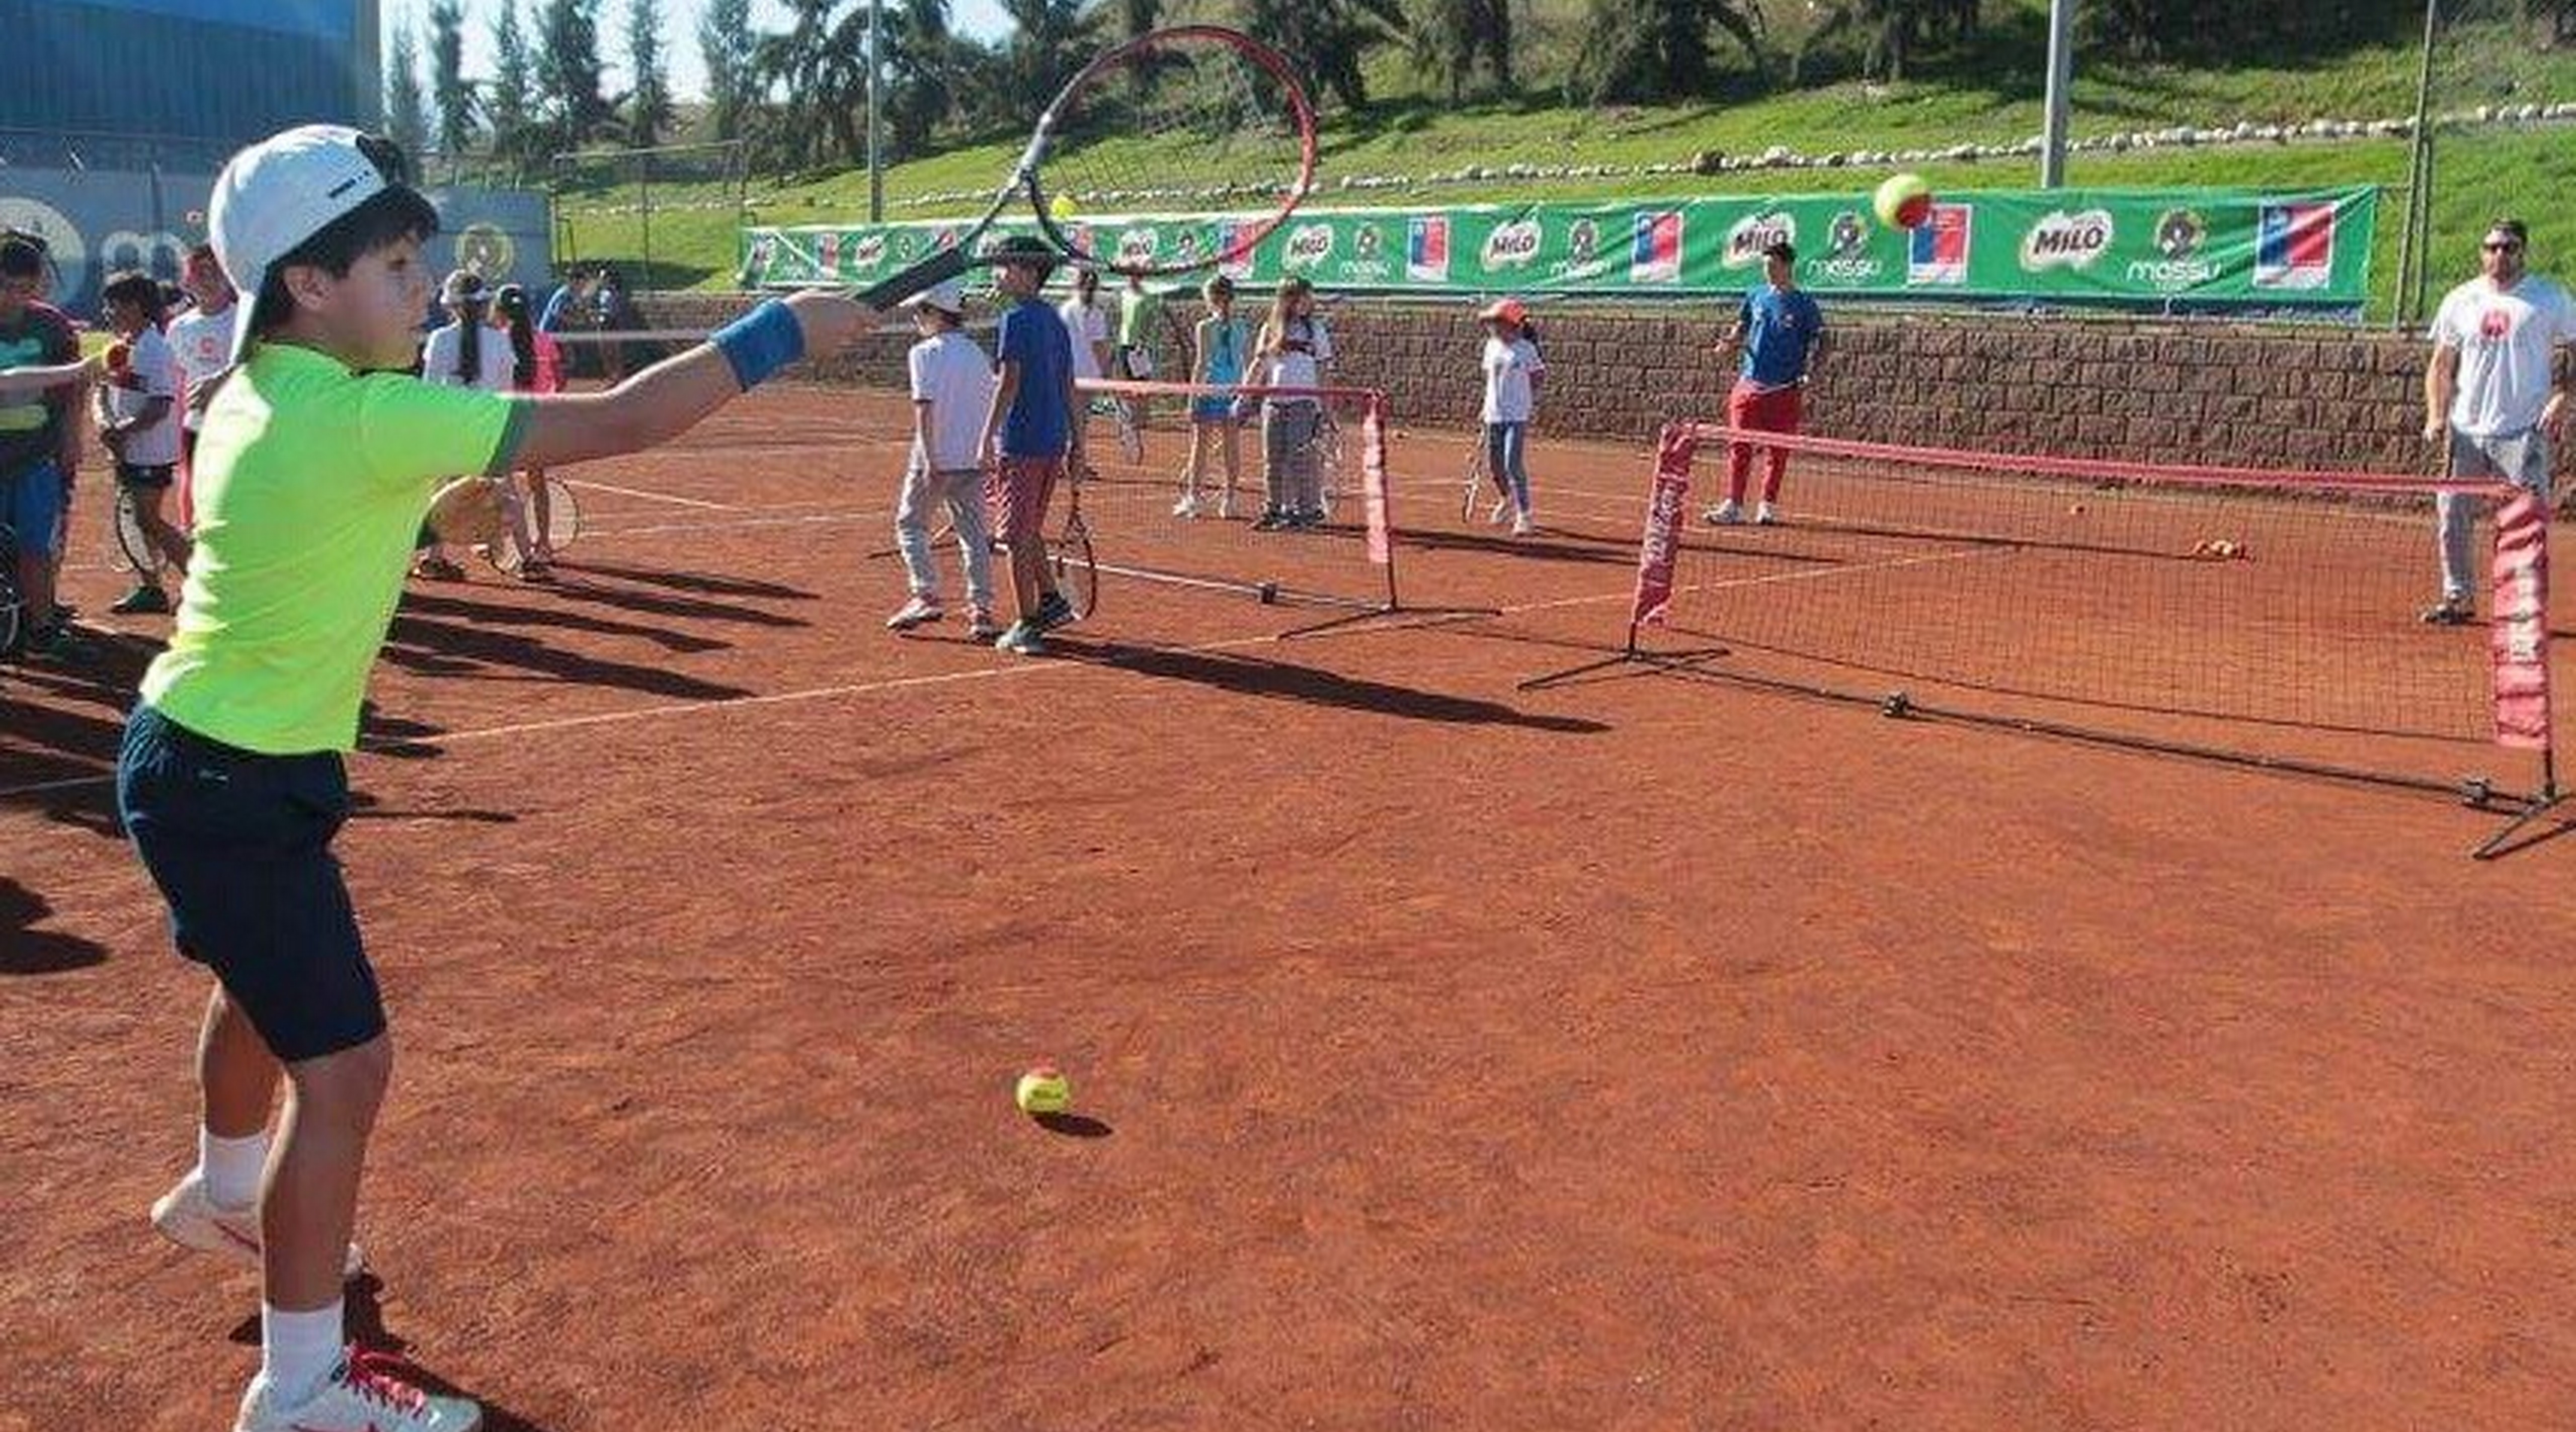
(1292, 471)
(2522, 460)
(962, 490)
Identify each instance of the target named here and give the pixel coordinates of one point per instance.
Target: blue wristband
(760, 343)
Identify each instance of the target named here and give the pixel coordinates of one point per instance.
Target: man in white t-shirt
(952, 390)
(2490, 392)
(138, 420)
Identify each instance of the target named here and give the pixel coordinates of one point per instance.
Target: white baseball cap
(281, 191)
(948, 297)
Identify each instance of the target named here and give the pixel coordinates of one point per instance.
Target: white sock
(298, 1350)
(232, 1167)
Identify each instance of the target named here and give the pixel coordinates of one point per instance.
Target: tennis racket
(1077, 573)
(13, 608)
(133, 544)
(1479, 474)
(1249, 153)
(552, 513)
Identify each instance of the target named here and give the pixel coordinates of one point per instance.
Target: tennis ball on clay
(1904, 201)
(1044, 1090)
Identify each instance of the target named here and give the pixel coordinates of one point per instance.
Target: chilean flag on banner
(1655, 248)
(1426, 249)
(2294, 245)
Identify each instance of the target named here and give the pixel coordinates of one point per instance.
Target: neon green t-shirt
(1140, 312)
(310, 482)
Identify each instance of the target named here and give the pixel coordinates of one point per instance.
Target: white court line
(650, 496)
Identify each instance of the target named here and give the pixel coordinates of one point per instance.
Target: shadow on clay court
(443, 648)
(1073, 1126)
(704, 583)
(560, 618)
(26, 950)
(366, 1322)
(1548, 545)
(1286, 681)
(576, 582)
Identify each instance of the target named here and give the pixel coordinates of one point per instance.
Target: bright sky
(980, 18)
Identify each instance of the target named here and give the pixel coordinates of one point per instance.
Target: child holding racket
(1292, 352)
(316, 462)
(1512, 368)
(536, 364)
(136, 410)
(1033, 435)
(1221, 343)
(466, 353)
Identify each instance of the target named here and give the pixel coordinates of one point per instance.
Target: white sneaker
(188, 1218)
(1186, 507)
(1522, 526)
(1501, 506)
(363, 1394)
(914, 613)
(1766, 515)
(1725, 514)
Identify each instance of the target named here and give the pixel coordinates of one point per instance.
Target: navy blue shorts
(240, 844)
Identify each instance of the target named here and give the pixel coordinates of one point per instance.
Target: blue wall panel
(132, 70)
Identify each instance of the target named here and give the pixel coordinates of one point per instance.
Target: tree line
(798, 94)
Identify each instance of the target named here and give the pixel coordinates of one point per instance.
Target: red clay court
(1643, 1052)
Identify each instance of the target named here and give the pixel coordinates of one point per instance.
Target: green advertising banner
(2199, 250)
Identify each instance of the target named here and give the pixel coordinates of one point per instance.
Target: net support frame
(2521, 627)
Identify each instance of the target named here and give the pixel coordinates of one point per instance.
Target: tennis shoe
(983, 625)
(1766, 515)
(146, 599)
(914, 613)
(1186, 507)
(1053, 611)
(1726, 514)
(1522, 526)
(365, 1393)
(1495, 514)
(1023, 638)
(1271, 520)
(2450, 611)
(187, 1217)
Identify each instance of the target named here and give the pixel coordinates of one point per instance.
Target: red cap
(1509, 310)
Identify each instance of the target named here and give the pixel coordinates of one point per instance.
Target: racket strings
(1194, 125)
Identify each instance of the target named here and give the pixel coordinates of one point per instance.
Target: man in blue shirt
(1782, 334)
(1030, 436)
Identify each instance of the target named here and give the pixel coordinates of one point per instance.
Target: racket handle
(940, 267)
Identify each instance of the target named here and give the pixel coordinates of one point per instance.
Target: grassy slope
(1989, 95)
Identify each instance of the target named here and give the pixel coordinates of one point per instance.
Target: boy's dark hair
(21, 256)
(388, 216)
(135, 287)
(2521, 232)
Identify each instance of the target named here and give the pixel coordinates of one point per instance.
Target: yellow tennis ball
(1061, 206)
(1904, 201)
(1044, 1090)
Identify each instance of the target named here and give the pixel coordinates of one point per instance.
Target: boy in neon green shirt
(314, 466)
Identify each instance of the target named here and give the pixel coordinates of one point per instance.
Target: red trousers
(1774, 410)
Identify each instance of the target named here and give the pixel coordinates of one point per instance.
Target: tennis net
(2259, 615)
(1305, 517)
